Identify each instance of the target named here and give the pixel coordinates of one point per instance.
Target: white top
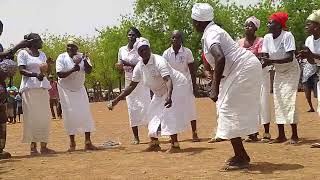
(32, 64)
(153, 72)
(179, 61)
(75, 81)
(278, 48)
(213, 34)
(314, 46)
(130, 56)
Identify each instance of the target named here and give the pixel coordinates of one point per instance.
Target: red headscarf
(280, 17)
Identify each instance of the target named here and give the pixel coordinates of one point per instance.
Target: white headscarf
(315, 16)
(141, 42)
(254, 20)
(202, 12)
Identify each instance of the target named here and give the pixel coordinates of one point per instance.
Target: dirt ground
(196, 161)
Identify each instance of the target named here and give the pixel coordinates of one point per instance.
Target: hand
(24, 43)
(112, 103)
(40, 77)
(119, 66)
(266, 61)
(213, 96)
(168, 102)
(76, 67)
(305, 54)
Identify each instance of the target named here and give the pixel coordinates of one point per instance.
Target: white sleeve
(264, 48)
(22, 58)
(59, 64)
(212, 38)
(289, 43)
(137, 74)
(189, 56)
(119, 56)
(44, 57)
(165, 55)
(163, 68)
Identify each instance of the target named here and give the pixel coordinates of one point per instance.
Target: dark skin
(145, 54)
(131, 40)
(312, 28)
(72, 50)
(219, 59)
(250, 37)
(33, 50)
(276, 29)
(176, 42)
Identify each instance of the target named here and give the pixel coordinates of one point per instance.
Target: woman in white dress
(311, 51)
(34, 88)
(166, 113)
(72, 68)
(236, 84)
(254, 44)
(278, 49)
(181, 59)
(139, 99)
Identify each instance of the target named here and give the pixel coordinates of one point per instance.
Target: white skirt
(138, 102)
(238, 104)
(191, 107)
(265, 110)
(285, 89)
(76, 112)
(36, 115)
(172, 120)
(318, 91)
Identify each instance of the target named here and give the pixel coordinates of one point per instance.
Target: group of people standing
(71, 68)
(160, 90)
(241, 81)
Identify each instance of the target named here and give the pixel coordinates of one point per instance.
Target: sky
(76, 17)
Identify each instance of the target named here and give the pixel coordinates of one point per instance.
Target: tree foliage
(157, 19)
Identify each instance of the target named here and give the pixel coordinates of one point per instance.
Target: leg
(88, 144)
(266, 134)
(45, 150)
(252, 137)
(282, 136)
(135, 131)
(195, 137)
(3, 138)
(72, 143)
(240, 160)
(51, 108)
(59, 110)
(174, 144)
(294, 137)
(307, 92)
(33, 149)
(154, 145)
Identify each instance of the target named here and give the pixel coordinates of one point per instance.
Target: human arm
(220, 60)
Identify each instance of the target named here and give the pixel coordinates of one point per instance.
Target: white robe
(265, 110)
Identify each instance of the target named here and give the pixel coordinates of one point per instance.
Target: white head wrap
(254, 20)
(72, 41)
(315, 16)
(141, 42)
(202, 12)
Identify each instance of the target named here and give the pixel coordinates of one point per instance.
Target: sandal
(214, 140)
(47, 151)
(135, 141)
(315, 145)
(153, 146)
(174, 148)
(195, 137)
(266, 138)
(5, 155)
(34, 152)
(90, 147)
(278, 141)
(294, 141)
(236, 163)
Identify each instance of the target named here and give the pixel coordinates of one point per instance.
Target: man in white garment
(181, 59)
(71, 68)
